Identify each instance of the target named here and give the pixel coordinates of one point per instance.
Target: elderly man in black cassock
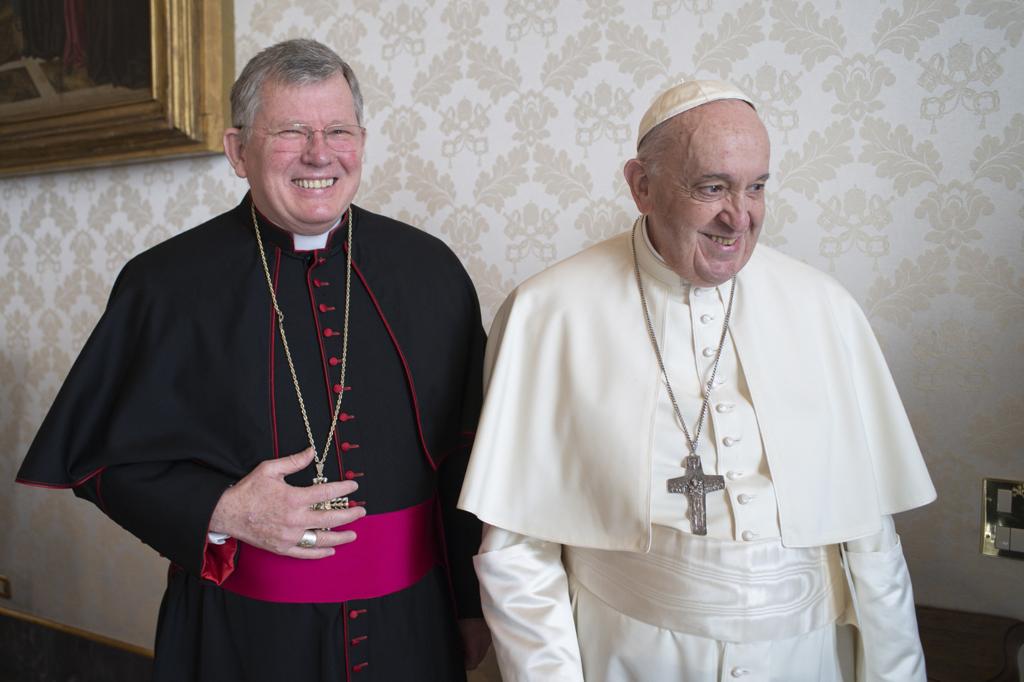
(281, 401)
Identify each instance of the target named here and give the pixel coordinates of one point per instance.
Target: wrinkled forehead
(725, 138)
(724, 117)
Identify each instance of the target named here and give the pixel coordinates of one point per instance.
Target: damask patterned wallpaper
(502, 127)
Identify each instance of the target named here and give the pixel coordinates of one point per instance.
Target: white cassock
(588, 567)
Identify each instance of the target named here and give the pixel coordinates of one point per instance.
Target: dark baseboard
(40, 650)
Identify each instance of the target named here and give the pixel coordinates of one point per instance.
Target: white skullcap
(683, 97)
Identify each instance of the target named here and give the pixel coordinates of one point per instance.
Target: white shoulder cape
(563, 448)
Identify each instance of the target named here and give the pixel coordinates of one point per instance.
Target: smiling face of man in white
(702, 189)
(301, 188)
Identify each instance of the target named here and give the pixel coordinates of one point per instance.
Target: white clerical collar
(313, 242)
(652, 263)
(647, 240)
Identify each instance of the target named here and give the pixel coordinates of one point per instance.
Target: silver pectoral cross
(695, 485)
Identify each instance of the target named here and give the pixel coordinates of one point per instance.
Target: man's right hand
(264, 511)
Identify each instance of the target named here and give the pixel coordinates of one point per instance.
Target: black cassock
(183, 388)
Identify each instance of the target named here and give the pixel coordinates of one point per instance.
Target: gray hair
(293, 62)
(655, 145)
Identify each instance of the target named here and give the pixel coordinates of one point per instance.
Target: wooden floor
(970, 647)
(958, 646)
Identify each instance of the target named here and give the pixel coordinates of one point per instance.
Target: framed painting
(87, 83)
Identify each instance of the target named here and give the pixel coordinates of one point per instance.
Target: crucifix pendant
(696, 485)
(332, 504)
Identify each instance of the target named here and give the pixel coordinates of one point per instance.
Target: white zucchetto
(683, 97)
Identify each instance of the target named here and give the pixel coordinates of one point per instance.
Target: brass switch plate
(1002, 523)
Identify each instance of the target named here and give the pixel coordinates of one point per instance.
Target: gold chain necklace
(318, 461)
(695, 484)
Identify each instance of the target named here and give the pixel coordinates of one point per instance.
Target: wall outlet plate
(1002, 521)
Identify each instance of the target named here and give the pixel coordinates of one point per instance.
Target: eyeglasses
(295, 138)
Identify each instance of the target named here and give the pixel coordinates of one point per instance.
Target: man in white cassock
(690, 451)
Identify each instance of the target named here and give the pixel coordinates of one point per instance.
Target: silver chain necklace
(694, 483)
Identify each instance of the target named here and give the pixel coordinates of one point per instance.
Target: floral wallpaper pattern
(502, 127)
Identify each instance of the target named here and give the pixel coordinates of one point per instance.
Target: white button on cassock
(739, 672)
(733, 475)
(744, 498)
(705, 318)
(709, 352)
(749, 535)
(729, 441)
(722, 408)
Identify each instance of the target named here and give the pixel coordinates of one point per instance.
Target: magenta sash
(391, 552)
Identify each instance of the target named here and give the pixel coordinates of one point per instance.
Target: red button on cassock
(346, 446)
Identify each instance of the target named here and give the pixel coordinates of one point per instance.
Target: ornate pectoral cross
(331, 504)
(695, 485)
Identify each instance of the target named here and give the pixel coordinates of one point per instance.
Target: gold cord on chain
(318, 460)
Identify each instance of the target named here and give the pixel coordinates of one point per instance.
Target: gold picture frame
(183, 112)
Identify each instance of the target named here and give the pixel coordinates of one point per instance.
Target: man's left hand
(476, 640)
